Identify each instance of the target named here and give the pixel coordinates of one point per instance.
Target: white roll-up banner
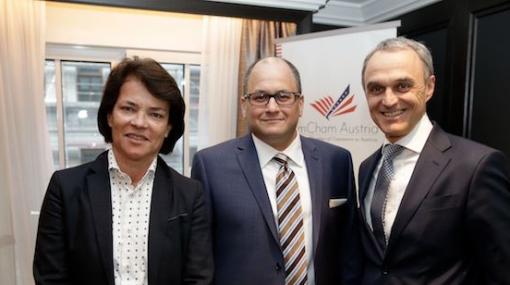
(330, 65)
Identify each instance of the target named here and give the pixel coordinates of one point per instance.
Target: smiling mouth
(137, 137)
(272, 119)
(393, 114)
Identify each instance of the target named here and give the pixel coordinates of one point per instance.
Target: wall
(100, 26)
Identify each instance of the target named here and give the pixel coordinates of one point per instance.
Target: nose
(139, 120)
(272, 106)
(389, 98)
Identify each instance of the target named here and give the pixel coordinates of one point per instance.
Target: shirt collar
(415, 140)
(113, 165)
(266, 152)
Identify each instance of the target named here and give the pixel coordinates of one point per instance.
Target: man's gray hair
(398, 44)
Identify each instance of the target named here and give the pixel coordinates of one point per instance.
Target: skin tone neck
(279, 143)
(134, 169)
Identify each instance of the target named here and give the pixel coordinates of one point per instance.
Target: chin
(268, 135)
(395, 134)
(270, 130)
(136, 155)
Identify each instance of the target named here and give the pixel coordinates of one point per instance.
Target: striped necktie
(290, 223)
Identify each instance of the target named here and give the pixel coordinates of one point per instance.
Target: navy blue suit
(245, 238)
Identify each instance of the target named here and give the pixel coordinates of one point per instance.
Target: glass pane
(50, 99)
(193, 110)
(176, 158)
(82, 86)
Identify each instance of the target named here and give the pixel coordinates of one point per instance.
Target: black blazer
(453, 224)
(75, 243)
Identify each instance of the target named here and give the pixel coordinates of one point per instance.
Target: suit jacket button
(278, 266)
(385, 272)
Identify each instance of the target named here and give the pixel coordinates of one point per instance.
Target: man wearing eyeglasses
(280, 204)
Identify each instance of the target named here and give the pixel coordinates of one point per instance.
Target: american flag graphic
(343, 105)
(278, 50)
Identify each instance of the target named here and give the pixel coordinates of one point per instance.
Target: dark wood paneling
(436, 40)
(433, 26)
(304, 26)
(490, 93)
(453, 19)
(426, 19)
(324, 27)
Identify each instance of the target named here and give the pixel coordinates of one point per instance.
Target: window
(73, 90)
(176, 158)
(50, 99)
(192, 106)
(81, 97)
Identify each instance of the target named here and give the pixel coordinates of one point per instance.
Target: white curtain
(25, 155)
(218, 80)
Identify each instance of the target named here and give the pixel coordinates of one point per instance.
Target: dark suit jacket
(453, 224)
(75, 242)
(245, 238)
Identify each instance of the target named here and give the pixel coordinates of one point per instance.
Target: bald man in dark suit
(260, 235)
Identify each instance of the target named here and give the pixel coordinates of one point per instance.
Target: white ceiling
(343, 12)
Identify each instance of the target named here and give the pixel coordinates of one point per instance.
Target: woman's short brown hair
(158, 82)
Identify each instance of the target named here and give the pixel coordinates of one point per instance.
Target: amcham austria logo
(343, 105)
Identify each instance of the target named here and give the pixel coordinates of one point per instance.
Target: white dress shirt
(403, 167)
(297, 163)
(130, 216)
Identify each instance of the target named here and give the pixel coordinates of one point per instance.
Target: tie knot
(390, 151)
(282, 159)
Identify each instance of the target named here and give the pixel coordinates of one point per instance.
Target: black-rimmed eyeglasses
(282, 98)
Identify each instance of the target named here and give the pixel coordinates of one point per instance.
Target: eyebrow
(405, 80)
(158, 109)
(373, 84)
(131, 103)
(273, 93)
(398, 80)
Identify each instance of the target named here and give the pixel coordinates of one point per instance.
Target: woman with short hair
(127, 217)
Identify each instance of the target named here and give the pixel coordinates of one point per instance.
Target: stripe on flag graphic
(327, 107)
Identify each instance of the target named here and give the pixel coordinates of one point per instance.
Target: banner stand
(330, 65)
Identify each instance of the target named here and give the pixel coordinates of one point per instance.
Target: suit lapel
(162, 209)
(99, 192)
(250, 166)
(429, 166)
(365, 175)
(314, 169)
